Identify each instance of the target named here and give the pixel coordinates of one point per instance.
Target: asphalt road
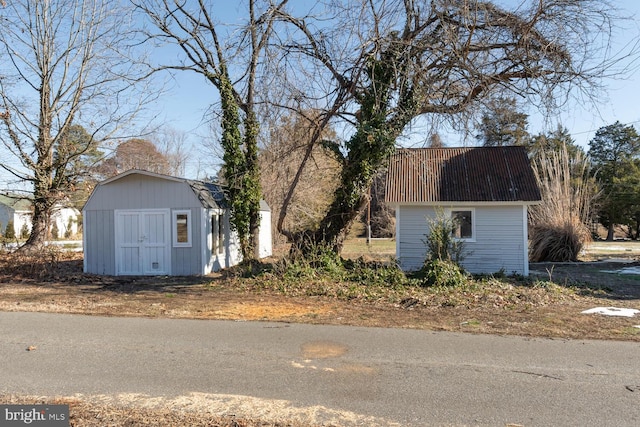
(340, 374)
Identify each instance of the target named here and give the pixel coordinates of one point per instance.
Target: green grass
(378, 248)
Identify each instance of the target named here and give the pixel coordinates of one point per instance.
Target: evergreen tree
(615, 153)
(502, 124)
(553, 142)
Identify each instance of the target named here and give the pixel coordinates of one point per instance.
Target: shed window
(217, 233)
(220, 234)
(182, 228)
(463, 224)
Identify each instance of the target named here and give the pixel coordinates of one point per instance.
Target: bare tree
(65, 63)
(382, 64)
(172, 144)
(229, 58)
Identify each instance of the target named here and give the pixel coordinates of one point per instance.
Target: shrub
(24, 231)
(439, 272)
(557, 242)
(440, 241)
(10, 232)
(55, 233)
(374, 273)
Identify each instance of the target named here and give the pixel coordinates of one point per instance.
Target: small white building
(20, 210)
(488, 189)
(143, 223)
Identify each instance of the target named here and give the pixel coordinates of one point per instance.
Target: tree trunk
(39, 226)
(372, 145)
(610, 233)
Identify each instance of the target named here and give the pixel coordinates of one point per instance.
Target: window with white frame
(182, 228)
(464, 226)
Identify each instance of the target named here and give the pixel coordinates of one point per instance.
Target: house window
(182, 228)
(463, 224)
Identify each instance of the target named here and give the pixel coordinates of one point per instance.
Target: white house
(488, 189)
(143, 223)
(20, 211)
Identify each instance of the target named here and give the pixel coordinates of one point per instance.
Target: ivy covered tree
(387, 63)
(230, 60)
(615, 154)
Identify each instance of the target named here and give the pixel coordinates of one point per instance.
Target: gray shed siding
(187, 261)
(122, 233)
(500, 238)
(99, 242)
(139, 192)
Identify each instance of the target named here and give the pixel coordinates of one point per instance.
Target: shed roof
(211, 195)
(469, 174)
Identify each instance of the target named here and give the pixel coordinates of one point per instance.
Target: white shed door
(143, 242)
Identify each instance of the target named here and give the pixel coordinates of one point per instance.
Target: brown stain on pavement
(323, 350)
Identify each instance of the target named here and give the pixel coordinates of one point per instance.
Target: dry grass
(104, 411)
(558, 231)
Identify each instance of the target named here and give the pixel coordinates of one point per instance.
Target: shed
(144, 223)
(487, 189)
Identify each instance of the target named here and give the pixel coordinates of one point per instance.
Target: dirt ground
(549, 307)
(549, 304)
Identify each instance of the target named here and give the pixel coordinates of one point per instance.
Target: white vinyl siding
(498, 244)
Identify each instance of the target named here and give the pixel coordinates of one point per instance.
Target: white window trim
(449, 211)
(174, 226)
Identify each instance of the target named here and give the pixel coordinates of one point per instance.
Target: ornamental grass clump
(558, 225)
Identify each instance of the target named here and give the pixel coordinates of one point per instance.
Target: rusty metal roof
(471, 174)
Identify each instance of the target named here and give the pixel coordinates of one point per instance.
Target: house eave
(467, 203)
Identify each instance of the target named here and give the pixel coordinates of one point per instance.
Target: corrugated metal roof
(470, 174)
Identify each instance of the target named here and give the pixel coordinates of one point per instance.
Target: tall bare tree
(65, 63)
(172, 143)
(382, 64)
(229, 58)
